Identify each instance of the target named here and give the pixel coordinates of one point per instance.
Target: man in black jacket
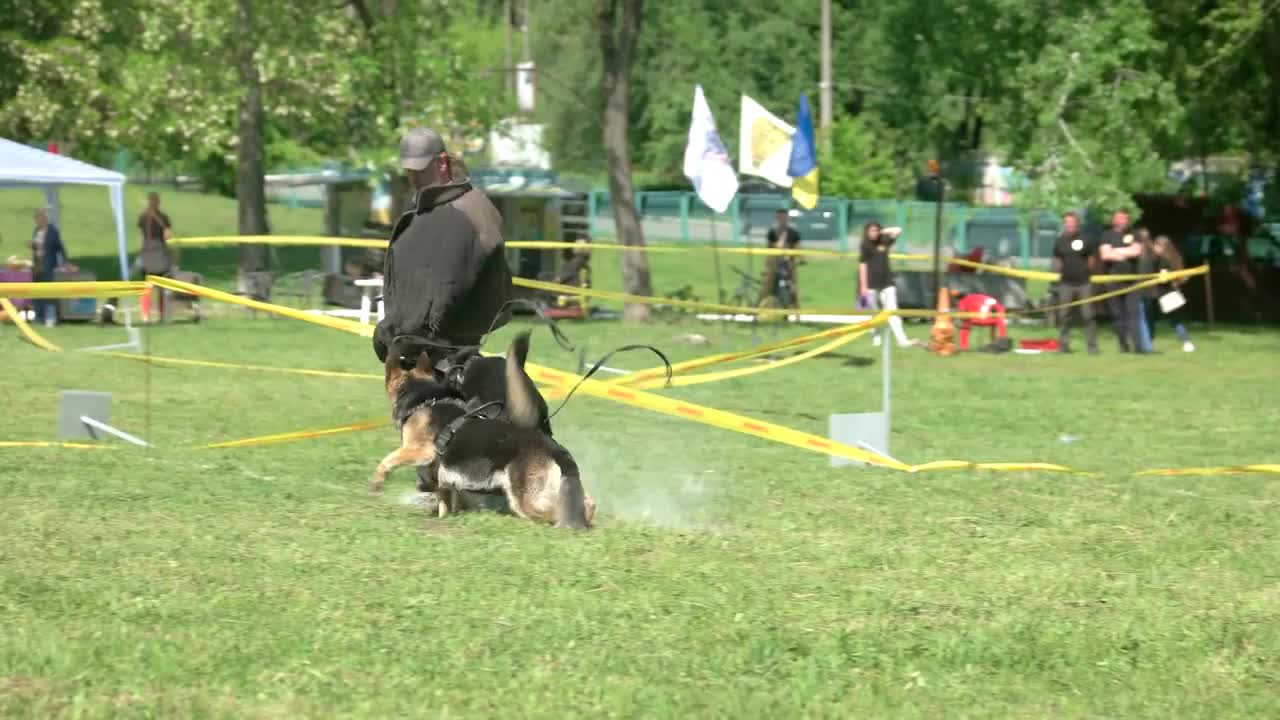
(1071, 253)
(1119, 252)
(445, 275)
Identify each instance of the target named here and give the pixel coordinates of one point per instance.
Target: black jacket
(445, 275)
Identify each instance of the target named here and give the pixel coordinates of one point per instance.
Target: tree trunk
(250, 184)
(618, 36)
(1271, 43)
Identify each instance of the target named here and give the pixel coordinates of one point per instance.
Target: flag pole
(715, 253)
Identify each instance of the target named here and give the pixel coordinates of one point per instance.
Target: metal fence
(836, 223)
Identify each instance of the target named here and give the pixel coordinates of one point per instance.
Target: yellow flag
(805, 190)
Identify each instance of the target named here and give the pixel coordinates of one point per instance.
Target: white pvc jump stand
(869, 431)
(83, 415)
(135, 336)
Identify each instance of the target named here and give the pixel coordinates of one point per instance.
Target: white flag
(706, 162)
(764, 144)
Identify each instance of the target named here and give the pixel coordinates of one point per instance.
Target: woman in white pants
(875, 279)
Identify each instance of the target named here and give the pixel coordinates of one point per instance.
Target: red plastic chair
(993, 316)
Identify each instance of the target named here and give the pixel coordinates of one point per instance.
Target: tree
(618, 25)
(861, 163)
(60, 58)
(251, 193)
(1100, 106)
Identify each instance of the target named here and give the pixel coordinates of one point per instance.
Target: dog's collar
(485, 411)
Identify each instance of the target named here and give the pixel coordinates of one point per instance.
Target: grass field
(728, 577)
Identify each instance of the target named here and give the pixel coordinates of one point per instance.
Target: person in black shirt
(782, 230)
(1071, 253)
(779, 280)
(875, 279)
(1120, 250)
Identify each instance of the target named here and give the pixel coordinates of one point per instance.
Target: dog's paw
(375, 486)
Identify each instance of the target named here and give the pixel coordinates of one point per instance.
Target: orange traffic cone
(942, 338)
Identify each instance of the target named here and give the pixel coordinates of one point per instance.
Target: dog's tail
(523, 407)
(571, 499)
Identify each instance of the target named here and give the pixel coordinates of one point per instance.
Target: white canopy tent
(22, 166)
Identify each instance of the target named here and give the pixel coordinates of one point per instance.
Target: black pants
(1125, 319)
(1075, 293)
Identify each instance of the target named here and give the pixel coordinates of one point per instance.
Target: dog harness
(472, 410)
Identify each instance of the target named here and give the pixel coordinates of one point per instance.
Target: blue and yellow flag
(804, 159)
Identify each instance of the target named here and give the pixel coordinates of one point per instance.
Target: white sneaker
(1188, 347)
(49, 322)
(875, 340)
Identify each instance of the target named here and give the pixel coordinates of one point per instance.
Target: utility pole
(824, 82)
(525, 25)
(507, 67)
(935, 169)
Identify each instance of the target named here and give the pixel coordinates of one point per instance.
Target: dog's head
(406, 361)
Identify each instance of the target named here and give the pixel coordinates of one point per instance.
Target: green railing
(674, 216)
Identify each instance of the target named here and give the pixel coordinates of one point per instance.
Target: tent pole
(117, 207)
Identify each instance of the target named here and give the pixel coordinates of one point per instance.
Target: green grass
(728, 577)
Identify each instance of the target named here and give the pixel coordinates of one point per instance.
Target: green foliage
(860, 163)
(160, 78)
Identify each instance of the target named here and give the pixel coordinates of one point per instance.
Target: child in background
(1146, 265)
(1168, 259)
(875, 278)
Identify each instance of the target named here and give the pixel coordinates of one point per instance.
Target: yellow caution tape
(1270, 469)
(314, 318)
(710, 416)
(638, 398)
(25, 329)
(700, 378)
(50, 290)
(290, 436)
(555, 245)
(721, 358)
(285, 240)
(279, 240)
(1150, 282)
(649, 300)
(774, 312)
(160, 360)
(67, 445)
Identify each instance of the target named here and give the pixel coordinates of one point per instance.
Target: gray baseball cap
(419, 147)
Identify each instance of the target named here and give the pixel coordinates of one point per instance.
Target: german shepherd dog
(508, 453)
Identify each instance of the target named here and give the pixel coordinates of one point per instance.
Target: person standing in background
(1168, 259)
(1146, 265)
(1071, 253)
(875, 279)
(782, 234)
(156, 230)
(47, 255)
(780, 279)
(1119, 251)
